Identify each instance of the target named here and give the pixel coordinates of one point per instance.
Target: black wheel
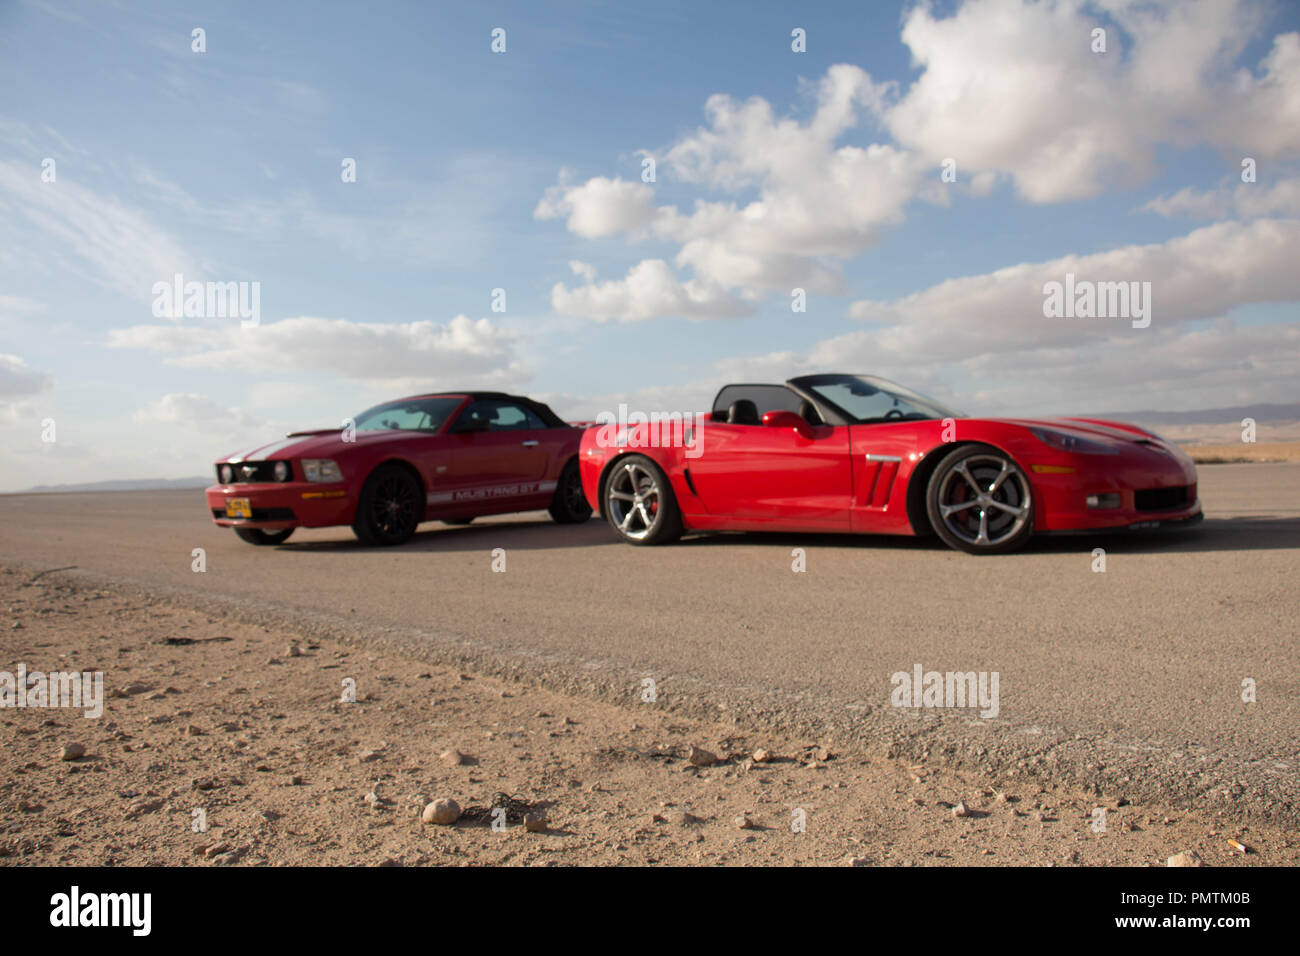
(260, 537)
(639, 502)
(570, 505)
(391, 507)
(458, 520)
(979, 501)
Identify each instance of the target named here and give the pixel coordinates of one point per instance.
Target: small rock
(762, 756)
(743, 822)
(699, 757)
(144, 806)
(535, 822)
(293, 650)
(961, 810)
(442, 811)
(453, 758)
(1189, 858)
(72, 751)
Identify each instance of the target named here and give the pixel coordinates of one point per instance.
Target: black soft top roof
(540, 409)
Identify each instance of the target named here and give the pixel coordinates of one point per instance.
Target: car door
(498, 454)
(775, 477)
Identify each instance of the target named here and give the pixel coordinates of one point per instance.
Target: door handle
(529, 444)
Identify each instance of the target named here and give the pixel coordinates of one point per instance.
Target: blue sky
(522, 170)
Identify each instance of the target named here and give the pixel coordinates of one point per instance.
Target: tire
(265, 538)
(979, 501)
(457, 521)
(639, 502)
(390, 509)
(570, 505)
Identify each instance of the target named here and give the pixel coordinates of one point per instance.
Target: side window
(503, 416)
(767, 398)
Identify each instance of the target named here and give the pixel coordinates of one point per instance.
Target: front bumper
(294, 504)
(1140, 476)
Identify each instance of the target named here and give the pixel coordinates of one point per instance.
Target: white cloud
(817, 203)
(397, 353)
(983, 343)
(196, 413)
(1008, 89)
(600, 207)
(1246, 201)
(1201, 275)
(19, 383)
(1015, 88)
(118, 244)
(649, 290)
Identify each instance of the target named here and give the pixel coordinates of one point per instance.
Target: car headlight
(321, 469)
(1075, 444)
(281, 471)
(226, 474)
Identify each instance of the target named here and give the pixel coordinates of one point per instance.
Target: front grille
(1161, 499)
(252, 472)
(262, 514)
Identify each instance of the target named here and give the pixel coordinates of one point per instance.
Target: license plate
(238, 508)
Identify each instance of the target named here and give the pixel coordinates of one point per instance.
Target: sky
(603, 203)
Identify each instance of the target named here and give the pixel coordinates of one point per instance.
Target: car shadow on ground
(1252, 533)
(1247, 533)
(524, 534)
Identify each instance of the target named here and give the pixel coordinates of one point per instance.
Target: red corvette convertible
(855, 453)
(451, 456)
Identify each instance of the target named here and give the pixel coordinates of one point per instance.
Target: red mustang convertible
(856, 453)
(452, 456)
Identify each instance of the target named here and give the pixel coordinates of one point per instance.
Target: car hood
(1097, 429)
(326, 443)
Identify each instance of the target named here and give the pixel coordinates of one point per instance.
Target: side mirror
(789, 420)
(468, 426)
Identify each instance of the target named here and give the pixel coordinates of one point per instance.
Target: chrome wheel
(633, 499)
(983, 500)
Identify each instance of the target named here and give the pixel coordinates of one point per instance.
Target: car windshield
(866, 398)
(412, 414)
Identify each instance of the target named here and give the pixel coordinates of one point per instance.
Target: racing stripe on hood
(265, 451)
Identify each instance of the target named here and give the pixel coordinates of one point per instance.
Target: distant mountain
(1212, 416)
(129, 484)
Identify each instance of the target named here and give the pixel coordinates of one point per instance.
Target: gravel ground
(224, 742)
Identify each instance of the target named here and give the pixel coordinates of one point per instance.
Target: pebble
(453, 758)
(442, 811)
(535, 822)
(961, 810)
(1189, 858)
(762, 756)
(699, 757)
(72, 751)
(743, 822)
